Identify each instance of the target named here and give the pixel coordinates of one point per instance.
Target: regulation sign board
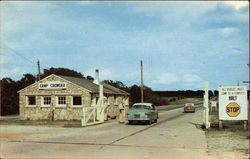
(52, 85)
(233, 104)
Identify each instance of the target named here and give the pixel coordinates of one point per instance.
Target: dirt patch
(228, 143)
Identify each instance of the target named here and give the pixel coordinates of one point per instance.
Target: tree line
(10, 97)
(185, 93)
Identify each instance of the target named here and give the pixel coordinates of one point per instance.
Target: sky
(182, 44)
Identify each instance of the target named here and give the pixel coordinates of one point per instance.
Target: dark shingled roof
(89, 85)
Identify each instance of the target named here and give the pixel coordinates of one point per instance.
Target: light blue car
(142, 112)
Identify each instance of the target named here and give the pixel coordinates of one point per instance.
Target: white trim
(76, 106)
(28, 106)
(45, 105)
(27, 102)
(61, 105)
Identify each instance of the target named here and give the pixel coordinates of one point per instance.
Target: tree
(117, 84)
(90, 78)
(9, 97)
(135, 94)
(61, 71)
(149, 95)
(26, 80)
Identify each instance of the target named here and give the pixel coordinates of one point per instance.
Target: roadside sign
(233, 109)
(233, 103)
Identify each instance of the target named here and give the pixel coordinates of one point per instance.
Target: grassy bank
(58, 123)
(181, 100)
(230, 142)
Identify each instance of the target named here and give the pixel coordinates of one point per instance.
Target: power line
(14, 51)
(19, 54)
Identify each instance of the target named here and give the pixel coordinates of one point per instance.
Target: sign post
(233, 103)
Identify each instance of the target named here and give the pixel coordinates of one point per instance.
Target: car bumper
(189, 110)
(142, 118)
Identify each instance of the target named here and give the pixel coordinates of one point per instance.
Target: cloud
(165, 78)
(228, 31)
(191, 78)
(171, 12)
(195, 85)
(176, 36)
(237, 4)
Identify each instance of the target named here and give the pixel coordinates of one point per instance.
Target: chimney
(96, 81)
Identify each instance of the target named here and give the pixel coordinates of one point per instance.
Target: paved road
(176, 136)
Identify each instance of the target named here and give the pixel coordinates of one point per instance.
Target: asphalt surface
(176, 135)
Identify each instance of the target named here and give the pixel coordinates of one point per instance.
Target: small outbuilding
(63, 98)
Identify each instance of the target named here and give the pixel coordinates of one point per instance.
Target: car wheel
(130, 122)
(155, 121)
(148, 122)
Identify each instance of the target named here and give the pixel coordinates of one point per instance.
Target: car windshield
(141, 107)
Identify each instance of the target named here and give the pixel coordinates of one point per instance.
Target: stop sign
(233, 109)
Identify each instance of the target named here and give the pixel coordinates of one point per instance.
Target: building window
(62, 100)
(46, 101)
(77, 100)
(31, 101)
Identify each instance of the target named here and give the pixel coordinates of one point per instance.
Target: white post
(100, 106)
(206, 101)
(94, 114)
(84, 117)
(204, 110)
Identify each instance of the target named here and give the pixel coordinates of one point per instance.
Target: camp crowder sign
(52, 85)
(233, 103)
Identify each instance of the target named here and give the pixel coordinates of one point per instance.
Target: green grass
(177, 101)
(181, 102)
(186, 100)
(230, 126)
(168, 108)
(49, 123)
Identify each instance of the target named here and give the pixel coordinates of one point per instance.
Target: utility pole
(39, 73)
(141, 81)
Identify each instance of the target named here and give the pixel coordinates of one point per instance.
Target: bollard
(245, 125)
(220, 124)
